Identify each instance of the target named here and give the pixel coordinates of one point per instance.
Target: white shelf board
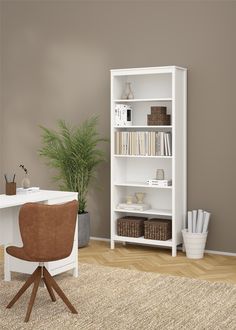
(142, 240)
(139, 184)
(145, 126)
(148, 212)
(139, 156)
(160, 99)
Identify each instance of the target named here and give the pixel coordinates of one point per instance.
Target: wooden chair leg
(30, 280)
(49, 288)
(33, 294)
(58, 290)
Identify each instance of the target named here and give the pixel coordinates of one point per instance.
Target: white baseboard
(231, 254)
(99, 239)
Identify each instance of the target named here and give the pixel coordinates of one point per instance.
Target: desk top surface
(39, 196)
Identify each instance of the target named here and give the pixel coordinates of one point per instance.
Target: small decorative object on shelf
(157, 229)
(26, 181)
(140, 197)
(123, 115)
(158, 116)
(160, 174)
(128, 94)
(130, 226)
(129, 199)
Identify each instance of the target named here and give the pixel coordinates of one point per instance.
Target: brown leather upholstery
(47, 231)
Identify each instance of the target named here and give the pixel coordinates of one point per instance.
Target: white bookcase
(157, 86)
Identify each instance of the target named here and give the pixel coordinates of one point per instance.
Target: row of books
(143, 143)
(198, 221)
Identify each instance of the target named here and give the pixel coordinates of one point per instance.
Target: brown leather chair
(47, 232)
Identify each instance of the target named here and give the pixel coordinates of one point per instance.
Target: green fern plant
(75, 153)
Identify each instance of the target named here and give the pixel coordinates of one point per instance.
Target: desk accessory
(10, 186)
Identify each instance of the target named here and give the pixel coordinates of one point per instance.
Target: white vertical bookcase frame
(152, 86)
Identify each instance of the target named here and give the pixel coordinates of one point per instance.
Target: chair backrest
(47, 231)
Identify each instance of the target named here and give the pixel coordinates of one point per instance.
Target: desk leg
(7, 273)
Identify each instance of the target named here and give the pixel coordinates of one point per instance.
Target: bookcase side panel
(179, 153)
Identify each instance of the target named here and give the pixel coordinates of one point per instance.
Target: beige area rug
(112, 298)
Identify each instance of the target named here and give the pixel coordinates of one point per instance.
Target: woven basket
(130, 226)
(158, 229)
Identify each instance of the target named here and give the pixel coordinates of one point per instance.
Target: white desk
(10, 233)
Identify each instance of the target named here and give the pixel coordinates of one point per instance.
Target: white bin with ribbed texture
(194, 244)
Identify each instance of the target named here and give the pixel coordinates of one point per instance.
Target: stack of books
(159, 183)
(143, 143)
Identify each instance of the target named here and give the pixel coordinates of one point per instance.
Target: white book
(194, 220)
(162, 144)
(199, 221)
(206, 221)
(165, 145)
(168, 144)
(190, 223)
(158, 143)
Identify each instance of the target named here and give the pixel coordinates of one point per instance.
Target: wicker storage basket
(158, 229)
(130, 226)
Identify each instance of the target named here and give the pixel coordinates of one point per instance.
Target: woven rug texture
(112, 298)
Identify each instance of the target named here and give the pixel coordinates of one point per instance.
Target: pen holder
(10, 188)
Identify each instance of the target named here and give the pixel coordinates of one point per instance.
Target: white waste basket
(194, 244)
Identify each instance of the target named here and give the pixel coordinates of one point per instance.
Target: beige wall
(57, 57)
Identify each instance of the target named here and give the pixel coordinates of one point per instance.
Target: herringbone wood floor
(150, 259)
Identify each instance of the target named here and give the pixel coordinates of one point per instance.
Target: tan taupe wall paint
(56, 61)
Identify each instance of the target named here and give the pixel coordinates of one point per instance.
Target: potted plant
(75, 154)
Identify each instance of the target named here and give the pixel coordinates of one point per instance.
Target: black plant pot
(83, 229)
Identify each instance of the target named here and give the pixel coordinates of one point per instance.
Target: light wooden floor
(150, 259)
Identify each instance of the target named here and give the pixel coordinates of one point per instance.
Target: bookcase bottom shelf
(142, 240)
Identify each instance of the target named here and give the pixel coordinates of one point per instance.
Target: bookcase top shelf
(148, 70)
(159, 99)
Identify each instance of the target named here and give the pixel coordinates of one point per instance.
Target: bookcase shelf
(145, 127)
(166, 99)
(142, 240)
(164, 87)
(140, 156)
(139, 185)
(164, 213)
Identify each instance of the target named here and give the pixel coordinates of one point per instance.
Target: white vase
(128, 94)
(25, 182)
